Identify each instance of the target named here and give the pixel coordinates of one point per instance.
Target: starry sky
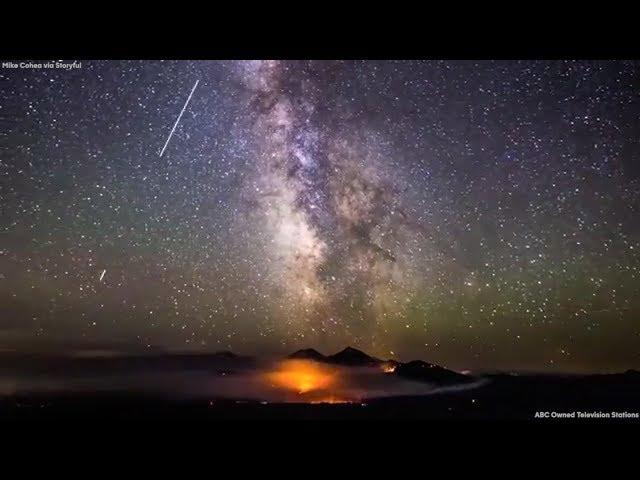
(476, 214)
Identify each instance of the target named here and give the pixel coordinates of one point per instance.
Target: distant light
(388, 368)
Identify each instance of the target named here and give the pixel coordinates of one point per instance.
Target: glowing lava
(388, 368)
(301, 376)
(331, 400)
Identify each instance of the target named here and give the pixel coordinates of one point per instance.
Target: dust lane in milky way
(475, 214)
(331, 210)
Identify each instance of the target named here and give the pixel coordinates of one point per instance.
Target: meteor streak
(179, 117)
(102, 274)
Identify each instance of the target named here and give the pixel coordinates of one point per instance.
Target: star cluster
(478, 214)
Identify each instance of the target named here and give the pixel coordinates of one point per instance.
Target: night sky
(476, 214)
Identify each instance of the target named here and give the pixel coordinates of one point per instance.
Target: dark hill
(308, 354)
(353, 358)
(226, 354)
(427, 372)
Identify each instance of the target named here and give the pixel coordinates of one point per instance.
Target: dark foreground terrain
(225, 386)
(504, 397)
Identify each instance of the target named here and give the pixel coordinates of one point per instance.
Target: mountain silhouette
(353, 357)
(427, 372)
(416, 370)
(226, 354)
(308, 354)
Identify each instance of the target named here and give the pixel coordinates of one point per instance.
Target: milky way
(334, 234)
(475, 214)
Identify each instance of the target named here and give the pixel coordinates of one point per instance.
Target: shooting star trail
(179, 116)
(102, 274)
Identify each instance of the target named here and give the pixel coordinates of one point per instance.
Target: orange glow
(332, 400)
(301, 376)
(388, 368)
